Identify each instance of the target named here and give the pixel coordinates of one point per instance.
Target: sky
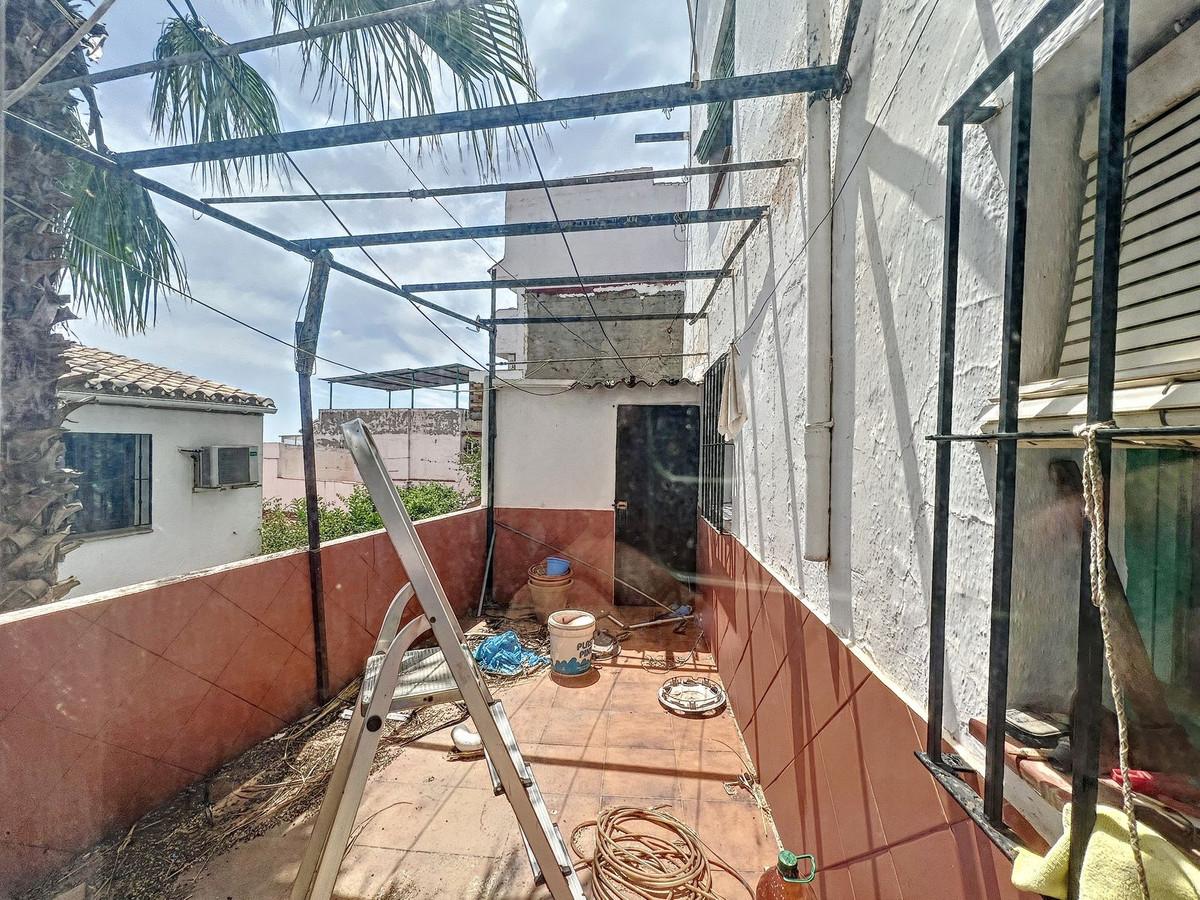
(577, 48)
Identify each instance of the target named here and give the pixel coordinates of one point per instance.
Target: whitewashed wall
(190, 529)
(559, 450)
(887, 265)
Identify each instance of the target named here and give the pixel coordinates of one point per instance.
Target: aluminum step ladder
(396, 677)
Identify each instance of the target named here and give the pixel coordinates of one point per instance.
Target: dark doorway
(658, 460)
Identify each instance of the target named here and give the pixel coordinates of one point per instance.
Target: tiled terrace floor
(430, 827)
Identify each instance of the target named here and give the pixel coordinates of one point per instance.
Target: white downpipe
(819, 288)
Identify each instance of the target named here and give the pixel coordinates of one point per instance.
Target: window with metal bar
(715, 494)
(716, 141)
(114, 480)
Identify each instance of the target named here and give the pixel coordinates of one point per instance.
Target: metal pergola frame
(832, 79)
(499, 187)
(1016, 61)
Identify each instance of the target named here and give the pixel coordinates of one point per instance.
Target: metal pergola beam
(517, 229)
(738, 87)
(552, 320)
(91, 157)
(434, 287)
(505, 186)
(266, 42)
(660, 137)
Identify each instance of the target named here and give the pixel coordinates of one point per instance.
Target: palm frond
(388, 70)
(119, 251)
(212, 101)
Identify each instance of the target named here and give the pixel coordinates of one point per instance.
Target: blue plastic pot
(556, 565)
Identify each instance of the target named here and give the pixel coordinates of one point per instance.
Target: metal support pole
(1006, 452)
(941, 476)
(389, 393)
(1110, 168)
(307, 331)
(660, 137)
(331, 395)
(488, 575)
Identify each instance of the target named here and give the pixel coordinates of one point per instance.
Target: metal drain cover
(689, 695)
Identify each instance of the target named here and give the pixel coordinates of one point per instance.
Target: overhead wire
(246, 103)
(250, 108)
(511, 100)
(412, 171)
(884, 107)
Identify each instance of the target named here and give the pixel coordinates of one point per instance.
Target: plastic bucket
(571, 633)
(556, 565)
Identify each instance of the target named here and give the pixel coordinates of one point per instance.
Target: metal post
(941, 477)
(331, 395)
(1006, 451)
(307, 331)
(1110, 167)
(488, 575)
(389, 393)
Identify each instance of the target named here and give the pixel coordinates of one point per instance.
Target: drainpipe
(819, 286)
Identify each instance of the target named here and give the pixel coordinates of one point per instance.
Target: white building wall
(887, 234)
(190, 529)
(559, 450)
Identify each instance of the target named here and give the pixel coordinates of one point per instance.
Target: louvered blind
(1158, 294)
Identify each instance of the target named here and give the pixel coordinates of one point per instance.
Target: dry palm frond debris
(276, 781)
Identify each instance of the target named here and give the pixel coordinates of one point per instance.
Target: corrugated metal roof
(105, 372)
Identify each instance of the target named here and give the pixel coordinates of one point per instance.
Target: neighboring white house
(169, 470)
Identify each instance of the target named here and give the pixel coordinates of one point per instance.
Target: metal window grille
(713, 448)
(114, 480)
(1016, 62)
(717, 137)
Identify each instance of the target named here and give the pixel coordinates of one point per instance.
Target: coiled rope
(1093, 501)
(649, 853)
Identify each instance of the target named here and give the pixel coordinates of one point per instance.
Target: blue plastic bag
(502, 654)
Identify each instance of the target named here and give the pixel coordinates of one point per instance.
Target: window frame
(714, 480)
(719, 116)
(137, 478)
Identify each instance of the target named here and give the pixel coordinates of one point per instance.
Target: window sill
(113, 533)
(1150, 397)
(1055, 787)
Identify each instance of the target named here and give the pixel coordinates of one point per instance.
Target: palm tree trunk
(36, 492)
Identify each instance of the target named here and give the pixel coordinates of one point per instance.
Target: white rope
(1093, 499)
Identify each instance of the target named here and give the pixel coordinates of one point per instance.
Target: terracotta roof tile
(106, 372)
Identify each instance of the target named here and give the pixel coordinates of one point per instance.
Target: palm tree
(69, 225)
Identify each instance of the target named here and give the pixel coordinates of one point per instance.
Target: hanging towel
(731, 415)
(1108, 867)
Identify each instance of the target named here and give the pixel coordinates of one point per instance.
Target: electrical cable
(550, 200)
(412, 171)
(249, 107)
(765, 302)
(317, 193)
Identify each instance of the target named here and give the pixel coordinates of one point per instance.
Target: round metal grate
(688, 695)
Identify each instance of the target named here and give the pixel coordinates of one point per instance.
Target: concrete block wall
(114, 702)
(833, 746)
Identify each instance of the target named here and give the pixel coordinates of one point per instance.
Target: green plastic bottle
(784, 882)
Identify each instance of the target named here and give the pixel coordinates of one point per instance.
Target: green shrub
(285, 525)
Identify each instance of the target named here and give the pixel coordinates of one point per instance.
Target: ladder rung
(497, 787)
(500, 716)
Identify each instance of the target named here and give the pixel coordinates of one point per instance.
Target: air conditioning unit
(221, 467)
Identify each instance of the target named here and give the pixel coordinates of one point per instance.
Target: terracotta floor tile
(566, 769)
(638, 772)
(396, 816)
(703, 775)
(735, 831)
(468, 821)
(583, 692)
(686, 811)
(633, 728)
(716, 733)
(578, 727)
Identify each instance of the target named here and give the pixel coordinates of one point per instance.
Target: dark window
(714, 484)
(1162, 523)
(716, 141)
(114, 480)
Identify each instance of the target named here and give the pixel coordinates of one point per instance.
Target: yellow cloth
(1109, 872)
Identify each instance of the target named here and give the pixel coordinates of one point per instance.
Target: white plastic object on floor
(384, 688)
